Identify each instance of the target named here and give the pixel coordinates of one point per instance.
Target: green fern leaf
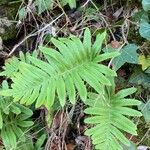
(110, 118)
(98, 43)
(11, 136)
(68, 69)
(19, 133)
(1, 120)
(10, 114)
(5, 139)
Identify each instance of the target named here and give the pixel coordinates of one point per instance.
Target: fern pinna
(63, 72)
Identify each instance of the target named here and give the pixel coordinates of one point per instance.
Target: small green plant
(29, 144)
(67, 71)
(14, 120)
(108, 115)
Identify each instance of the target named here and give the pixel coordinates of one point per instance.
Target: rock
(7, 13)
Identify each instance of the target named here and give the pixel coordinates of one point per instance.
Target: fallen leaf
(115, 44)
(70, 146)
(144, 61)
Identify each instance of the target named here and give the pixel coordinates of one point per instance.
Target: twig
(33, 34)
(85, 3)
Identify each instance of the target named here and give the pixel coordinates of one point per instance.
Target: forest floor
(30, 27)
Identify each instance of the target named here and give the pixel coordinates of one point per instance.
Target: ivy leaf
(145, 30)
(22, 13)
(43, 5)
(128, 54)
(140, 78)
(148, 70)
(141, 16)
(144, 61)
(145, 109)
(146, 5)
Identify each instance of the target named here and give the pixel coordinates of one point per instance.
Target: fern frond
(13, 120)
(68, 68)
(13, 129)
(109, 115)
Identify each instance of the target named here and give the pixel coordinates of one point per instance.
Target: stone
(7, 14)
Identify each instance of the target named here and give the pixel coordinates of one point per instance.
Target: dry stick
(67, 18)
(86, 3)
(146, 134)
(103, 18)
(31, 35)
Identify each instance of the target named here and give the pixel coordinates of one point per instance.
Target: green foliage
(14, 119)
(145, 30)
(43, 5)
(140, 16)
(108, 113)
(29, 144)
(132, 146)
(140, 78)
(144, 61)
(148, 70)
(146, 5)
(22, 13)
(64, 72)
(128, 54)
(68, 69)
(144, 21)
(71, 3)
(145, 109)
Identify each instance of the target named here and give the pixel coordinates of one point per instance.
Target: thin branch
(33, 34)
